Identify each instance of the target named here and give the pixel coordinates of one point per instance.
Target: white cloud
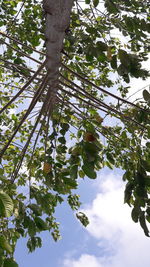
(111, 225)
(84, 260)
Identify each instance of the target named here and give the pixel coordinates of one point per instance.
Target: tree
(45, 104)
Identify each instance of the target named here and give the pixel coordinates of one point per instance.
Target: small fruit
(89, 137)
(109, 53)
(47, 167)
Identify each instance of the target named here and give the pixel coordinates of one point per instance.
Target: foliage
(38, 166)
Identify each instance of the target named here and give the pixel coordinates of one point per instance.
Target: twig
(102, 90)
(24, 87)
(32, 104)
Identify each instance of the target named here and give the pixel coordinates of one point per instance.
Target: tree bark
(57, 21)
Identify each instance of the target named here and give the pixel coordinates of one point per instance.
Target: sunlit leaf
(6, 205)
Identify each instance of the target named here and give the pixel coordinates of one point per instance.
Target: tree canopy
(50, 142)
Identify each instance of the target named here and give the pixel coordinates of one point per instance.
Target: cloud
(123, 241)
(84, 260)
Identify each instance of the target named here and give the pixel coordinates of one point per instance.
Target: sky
(112, 239)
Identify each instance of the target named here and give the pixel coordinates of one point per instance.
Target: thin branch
(32, 104)
(19, 11)
(24, 87)
(19, 42)
(16, 65)
(86, 94)
(21, 53)
(83, 100)
(15, 86)
(97, 101)
(139, 90)
(102, 90)
(32, 132)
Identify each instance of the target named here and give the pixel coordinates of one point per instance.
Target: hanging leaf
(42, 226)
(36, 209)
(33, 243)
(143, 223)
(124, 57)
(5, 245)
(135, 213)
(89, 170)
(128, 193)
(71, 182)
(74, 171)
(62, 140)
(82, 218)
(113, 62)
(6, 205)
(95, 3)
(146, 95)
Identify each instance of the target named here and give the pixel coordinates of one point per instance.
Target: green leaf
(101, 46)
(95, 3)
(10, 263)
(113, 62)
(82, 218)
(5, 245)
(146, 165)
(33, 243)
(140, 178)
(70, 182)
(62, 140)
(6, 205)
(56, 235)
(109, 165)
(89, 170)
(91, 147)
(146, 95)
(128, 193)
(74, 202)
(41, 225)
(110, 158)
(81, 174)
(36, 209)
(135, 214)
(111, 7)
(87, 1)
(65, 126)
(147, 181)
(143, 223)
(74, 171)
(1, 171)
(124, 57)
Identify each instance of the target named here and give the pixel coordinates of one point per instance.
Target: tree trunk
(57, 21)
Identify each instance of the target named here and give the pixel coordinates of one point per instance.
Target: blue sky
(74, 236)
(111, 240)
